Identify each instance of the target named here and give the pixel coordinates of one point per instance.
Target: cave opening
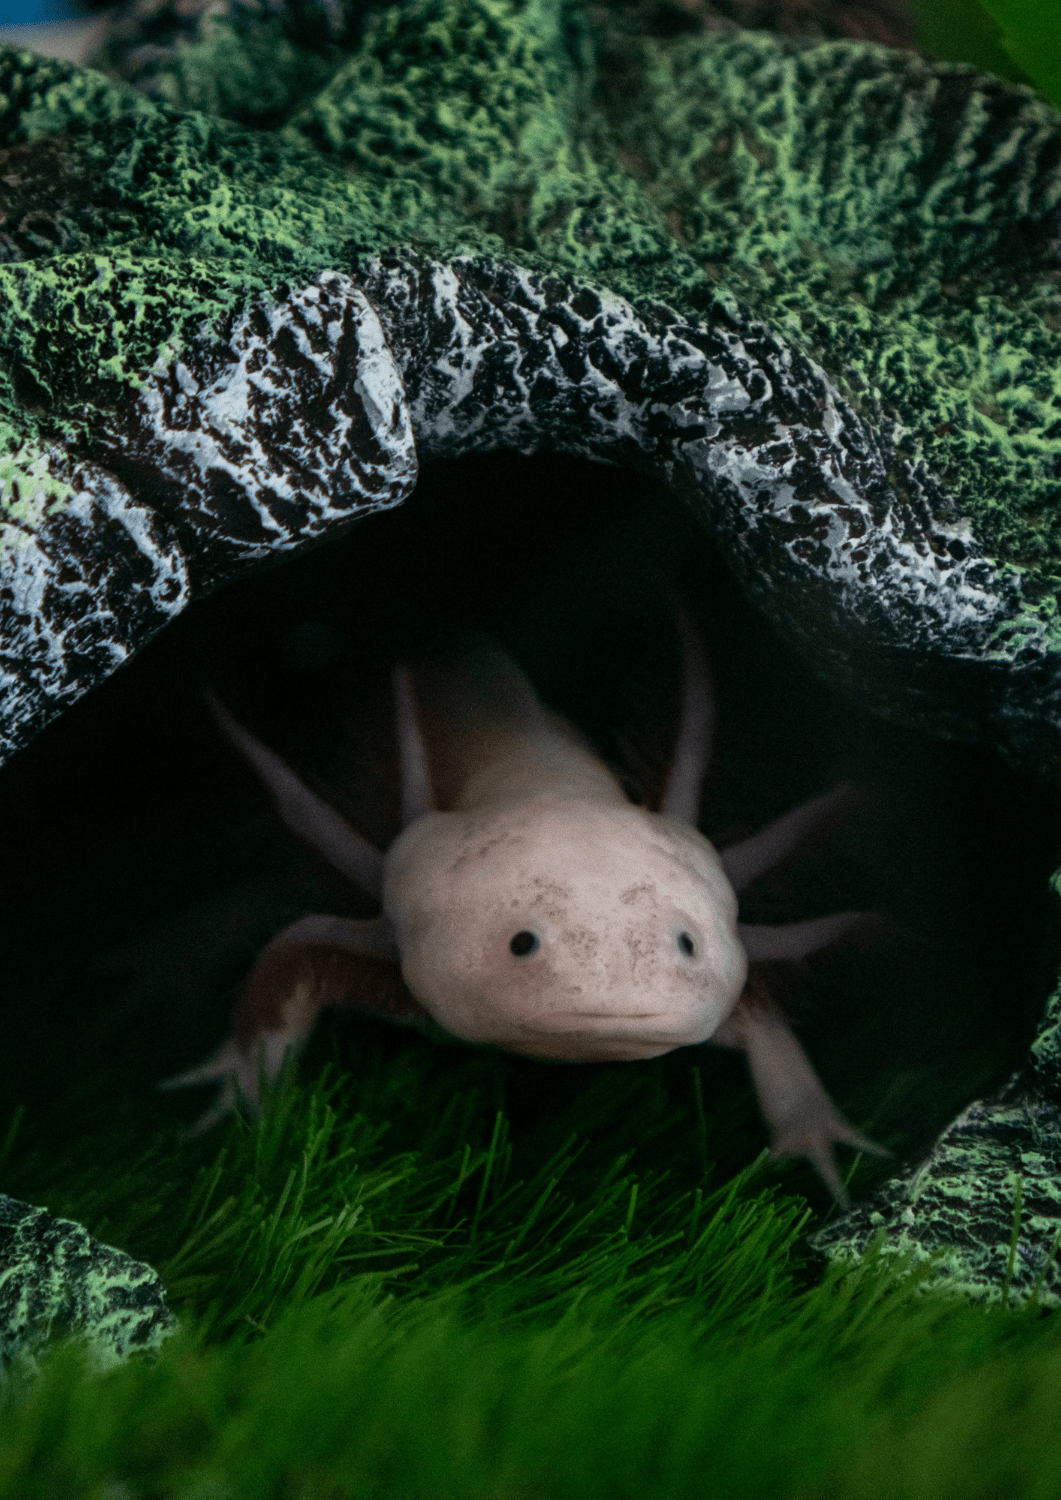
(144, 867)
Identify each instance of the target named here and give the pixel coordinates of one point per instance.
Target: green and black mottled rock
(816, 288)
(984, 1208)
(56, 1282)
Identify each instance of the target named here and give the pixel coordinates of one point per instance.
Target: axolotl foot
(312, 963)
(813, 1131)
(802, 1119)
(240, 1073)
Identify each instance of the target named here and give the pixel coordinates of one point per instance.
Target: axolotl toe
(528, 903)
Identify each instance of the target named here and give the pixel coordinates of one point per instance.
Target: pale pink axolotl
(530, 904)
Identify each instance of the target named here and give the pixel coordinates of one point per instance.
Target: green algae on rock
(983, 1210)
(814, 287)
(56, 1281)
(890, 221)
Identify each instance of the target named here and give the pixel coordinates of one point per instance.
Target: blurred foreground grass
(385, 1290)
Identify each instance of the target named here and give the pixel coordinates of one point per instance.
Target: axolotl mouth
(576, 1043)
(605, 1036)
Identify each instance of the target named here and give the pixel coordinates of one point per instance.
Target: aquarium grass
(389, 1287)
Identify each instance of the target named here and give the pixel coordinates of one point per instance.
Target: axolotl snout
(531, 905)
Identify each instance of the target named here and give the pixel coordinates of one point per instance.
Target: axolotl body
(529, 903)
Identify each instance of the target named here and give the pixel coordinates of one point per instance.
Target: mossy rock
(815, 288)
(56, 1281)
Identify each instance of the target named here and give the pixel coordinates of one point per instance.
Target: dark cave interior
(144, 867)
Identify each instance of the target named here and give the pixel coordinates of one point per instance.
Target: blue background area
(26, 12)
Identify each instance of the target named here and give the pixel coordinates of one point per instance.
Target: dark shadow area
(143, 867)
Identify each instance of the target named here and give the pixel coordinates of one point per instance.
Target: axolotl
(528, 902)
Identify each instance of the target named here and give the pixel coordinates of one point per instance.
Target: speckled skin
(57, 1281)
(815, 287)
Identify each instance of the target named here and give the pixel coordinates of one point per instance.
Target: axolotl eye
(523, 943)
(686, 944)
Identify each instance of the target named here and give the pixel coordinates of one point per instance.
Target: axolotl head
(566, 929)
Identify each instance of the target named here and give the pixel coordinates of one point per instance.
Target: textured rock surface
(985, 1205)
(984, 1208)
(288, 424)
(887, 227)
(56, 1281)
(815, 287)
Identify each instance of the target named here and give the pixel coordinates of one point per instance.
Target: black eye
(686, 944)
(523, 942)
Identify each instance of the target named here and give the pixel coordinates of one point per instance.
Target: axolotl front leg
(316, 961)
(802, 1119)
